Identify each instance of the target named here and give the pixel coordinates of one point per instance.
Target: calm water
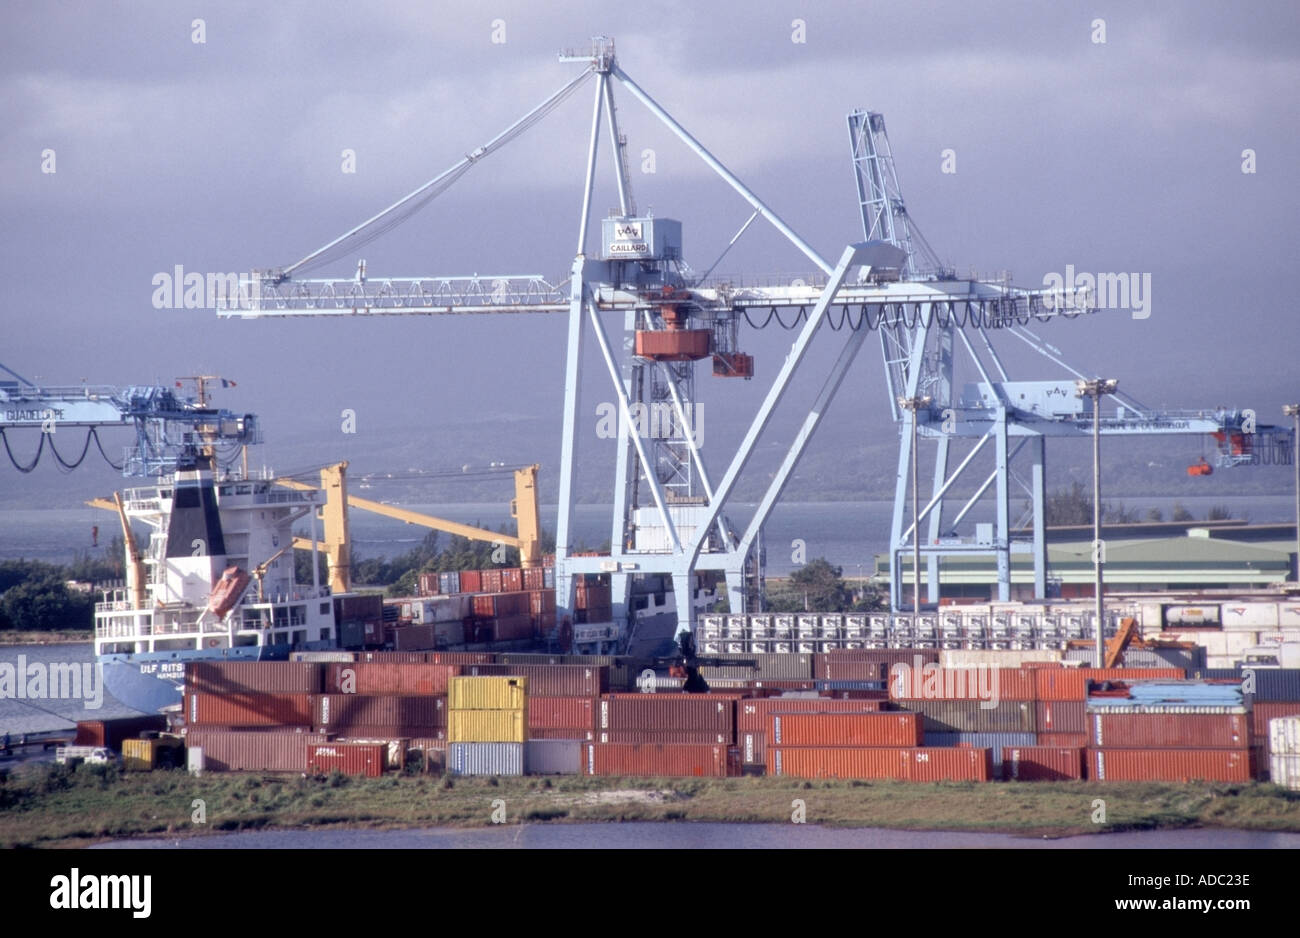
(847, 534)
(687, 836)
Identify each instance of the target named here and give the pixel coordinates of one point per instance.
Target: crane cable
(65, 465)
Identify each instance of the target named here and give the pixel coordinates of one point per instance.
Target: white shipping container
(1253, 616)
(1284, 770)
(973, 657)
(1284, 736)
(485, 758)
(194, 760)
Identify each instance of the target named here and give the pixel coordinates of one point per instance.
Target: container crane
(1013, 414)
(167, 426)
(337, 539)
(668, 512)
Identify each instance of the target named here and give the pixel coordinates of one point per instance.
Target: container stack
(1272, 692)
(664, 735)
(1169, 731)
(883, 745)
(1284, 752)
(487, 725)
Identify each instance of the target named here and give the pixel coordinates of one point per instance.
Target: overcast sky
(223, 155)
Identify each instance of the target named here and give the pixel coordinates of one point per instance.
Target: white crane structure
(652, 319)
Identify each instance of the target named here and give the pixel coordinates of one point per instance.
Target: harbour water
(704, 836)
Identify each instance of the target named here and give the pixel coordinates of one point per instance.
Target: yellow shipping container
(487, 726)
(138, 754)
(487, 693)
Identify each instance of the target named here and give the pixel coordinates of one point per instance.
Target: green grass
(46, 805)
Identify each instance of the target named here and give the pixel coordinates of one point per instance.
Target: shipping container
(460, 657)
(252, 677)
(577, 713)
(368, 759)
(512, 580)
(342, 712)
(489, 580)
(903, 764)
(145, 755)
(471, 581)
(553, 756)
(113, 732)
(914, 657)
(248, 710)
(1062, 716)
(323, 657)
(245, 751)
(485, 758)
(713, 712)
(563, 733)
(414, 637)
(844, 729)
(973, 716)
(514, 628)
(561, 680)
(359, 607)
(1042, 763)
(366, 732)
(1063, 740)
(682, 737)
(1284, 770)
(391, 657)
(751, 713)
(533, 579)
(995, 743)
(907, 683)
(1284, 735)
(499, 605)
(1142, 730)
(753, 746)
(487, 726)
(1169, 765)
(1072, 683)
(487, 693)
(655, 760)
(449, 582)
(434, 752)
(769, 667)
(832, 667)
(389, 679)
(394, 746)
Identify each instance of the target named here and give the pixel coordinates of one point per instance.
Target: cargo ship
(189, 593)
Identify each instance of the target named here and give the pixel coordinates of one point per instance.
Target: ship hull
(150, 681)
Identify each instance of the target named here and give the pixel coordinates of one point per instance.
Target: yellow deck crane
(135, 573)
(337, 541)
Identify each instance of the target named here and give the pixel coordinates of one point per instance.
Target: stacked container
(487, 726)
(1166, 731)
(1284, 752)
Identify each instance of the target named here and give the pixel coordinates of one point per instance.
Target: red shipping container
(361, 732)
(1062, 716)
(491, 580)
(541, 602)
(252, 677)
(1072, 683)
(584, 735)
(512, 580)
(845, 729)
(340, 712)
(1262, 712)
(368, 759)
(460, 657)
(550, 680)
(561, 713)
(664, 736)
(961, 684)
(1169, 765)
(112, 732)
(903, 764)
(471, 581)
(251, 751)
(715, 712)
(751, 713)
(1063, 740)
(389, 679)
(414, 637)
(534, 578)
(1042, 763)
(1123, 730)
(676, 761)
(248, 710)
